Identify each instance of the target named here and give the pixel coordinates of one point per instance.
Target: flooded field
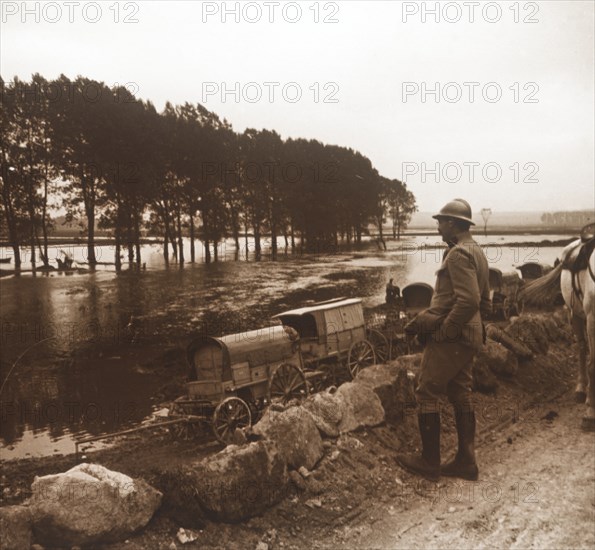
(91, 353)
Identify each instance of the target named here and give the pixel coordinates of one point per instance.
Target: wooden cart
(334, 340)
(504, 289)
(234, 377)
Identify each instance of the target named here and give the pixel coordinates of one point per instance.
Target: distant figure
(393, 293)
(66, 263)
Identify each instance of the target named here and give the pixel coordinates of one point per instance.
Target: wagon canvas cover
(212, 358)
(325, 319)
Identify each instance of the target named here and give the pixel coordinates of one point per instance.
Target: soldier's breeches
(446, 369)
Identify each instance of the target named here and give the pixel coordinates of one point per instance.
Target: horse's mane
(545, 289)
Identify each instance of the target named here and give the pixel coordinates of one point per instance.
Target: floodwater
(90, 353)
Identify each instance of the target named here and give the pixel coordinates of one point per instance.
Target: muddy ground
(536, 486)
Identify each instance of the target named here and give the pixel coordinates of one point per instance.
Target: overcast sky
(362, 76)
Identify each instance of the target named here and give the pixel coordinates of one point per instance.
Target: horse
(574, 276)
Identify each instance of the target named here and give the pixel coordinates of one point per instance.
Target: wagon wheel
(361, 355)
(321, 374)
(316, 380)
(286, 383)
(183, 430)
(230, 415)
(380, 344)
(333, 372)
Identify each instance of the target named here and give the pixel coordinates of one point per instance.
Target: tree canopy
(106, 156)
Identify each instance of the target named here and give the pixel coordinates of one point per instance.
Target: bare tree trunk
(246, 244)
(16, 252)
(130, 244)
(10, 215)
(32, 237)
(13, 234)
(118, 233)
(31, 211)
(180, 241)
(118, 261)
(91, 239)
(166, 247)
(192, 251)
(235, 228)
(273, 233)
(257, 245)
(169, 232)
(44, 228)
(137, 238)
(207, 251)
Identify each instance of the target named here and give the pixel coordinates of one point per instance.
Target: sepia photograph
(293, 275)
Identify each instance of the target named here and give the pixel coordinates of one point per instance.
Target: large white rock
(295, 434)
(327, 412)
(394, 386)
(235, 484)
(362, 407)
(90, 504)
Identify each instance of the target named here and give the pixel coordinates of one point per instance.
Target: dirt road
(536, 487)
(536, 490)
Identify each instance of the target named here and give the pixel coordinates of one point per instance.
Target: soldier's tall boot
(463, 465)
(427, 464)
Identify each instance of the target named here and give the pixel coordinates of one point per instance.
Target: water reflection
(94, 348)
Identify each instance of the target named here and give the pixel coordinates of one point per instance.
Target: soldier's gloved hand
(411, 328)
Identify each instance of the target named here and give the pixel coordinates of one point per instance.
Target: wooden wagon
(416, 297)
(334, 341)
(504, 289)
(533, 270)
(391, 323)
(232, 378)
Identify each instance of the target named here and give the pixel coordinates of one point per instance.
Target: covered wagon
(333, 338)
(533, 270)
(232, 378)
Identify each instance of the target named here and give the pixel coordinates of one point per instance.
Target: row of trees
(574, 219)
(102, 154)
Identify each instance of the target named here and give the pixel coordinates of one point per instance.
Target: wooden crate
(241, 373)
(206, 389)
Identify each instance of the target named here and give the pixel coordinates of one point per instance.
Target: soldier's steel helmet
(456, 208)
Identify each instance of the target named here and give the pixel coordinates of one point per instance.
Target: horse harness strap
(581, 262)
(588, 240)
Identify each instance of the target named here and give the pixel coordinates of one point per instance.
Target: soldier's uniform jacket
(461, 294)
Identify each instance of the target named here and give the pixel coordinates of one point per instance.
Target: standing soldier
(393, 292)
(453, 332)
